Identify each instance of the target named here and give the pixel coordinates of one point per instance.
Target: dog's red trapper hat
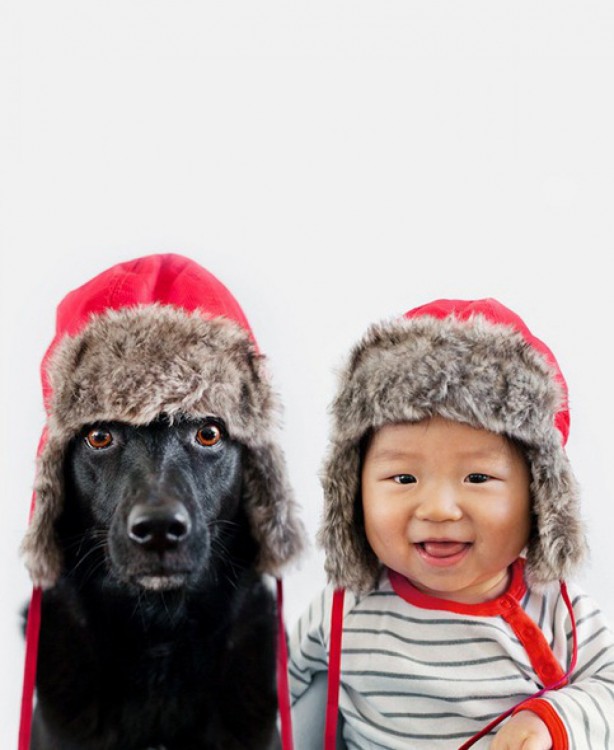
(155, 336)
(160, 335)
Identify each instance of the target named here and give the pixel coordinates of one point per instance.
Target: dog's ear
(271, 508)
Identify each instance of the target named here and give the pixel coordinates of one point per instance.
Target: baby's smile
(442, 552)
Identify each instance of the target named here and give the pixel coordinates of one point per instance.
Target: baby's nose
(439, 504)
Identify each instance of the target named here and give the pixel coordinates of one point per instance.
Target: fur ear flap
(350, 562)
(558, 544)
(41, 552)
(271, 508)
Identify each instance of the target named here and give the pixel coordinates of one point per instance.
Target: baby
(451, 521)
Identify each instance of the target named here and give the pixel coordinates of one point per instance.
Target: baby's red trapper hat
(470, 361)
(154, 336)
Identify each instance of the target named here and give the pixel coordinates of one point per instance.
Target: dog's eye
(99, 438)
(209, 434)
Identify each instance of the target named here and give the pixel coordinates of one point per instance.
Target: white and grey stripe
(417, 678)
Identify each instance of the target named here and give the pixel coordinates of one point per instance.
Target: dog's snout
(158, 527)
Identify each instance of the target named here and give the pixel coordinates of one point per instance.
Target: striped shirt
(414, 675)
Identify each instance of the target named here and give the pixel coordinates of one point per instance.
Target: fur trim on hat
(135, 364)
(474, 371)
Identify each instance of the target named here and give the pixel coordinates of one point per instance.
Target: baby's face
(447, 506)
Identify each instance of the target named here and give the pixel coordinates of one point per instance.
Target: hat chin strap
(283, 694)
(554, 686)
(29, 672)
(334, 670)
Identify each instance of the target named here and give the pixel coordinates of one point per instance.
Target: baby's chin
(442, 576)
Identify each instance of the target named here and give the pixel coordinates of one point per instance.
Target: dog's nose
(158, 527)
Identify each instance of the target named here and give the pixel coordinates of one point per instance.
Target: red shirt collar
(499, 606)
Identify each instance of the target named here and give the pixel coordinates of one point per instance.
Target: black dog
(159, 634)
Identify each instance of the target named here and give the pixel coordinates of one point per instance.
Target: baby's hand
(524, 731)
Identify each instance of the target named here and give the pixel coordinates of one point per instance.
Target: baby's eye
(477, 478)
(404, 478)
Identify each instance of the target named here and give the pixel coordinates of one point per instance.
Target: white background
(333, 163)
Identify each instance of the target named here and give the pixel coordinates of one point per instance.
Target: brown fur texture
(476, 372)
(135, 364)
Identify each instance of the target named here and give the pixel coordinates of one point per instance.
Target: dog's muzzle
(160, 530)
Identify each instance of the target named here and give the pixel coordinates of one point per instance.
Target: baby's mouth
(442, 553)
(443, 548)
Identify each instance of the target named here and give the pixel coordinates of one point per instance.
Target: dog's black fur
(160, 634)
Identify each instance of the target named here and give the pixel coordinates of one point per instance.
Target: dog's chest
(166, 686)
(169, 666)
(154, 679)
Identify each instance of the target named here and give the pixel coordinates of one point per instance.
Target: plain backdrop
(333, 162)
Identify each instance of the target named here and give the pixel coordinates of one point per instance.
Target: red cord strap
(29, 672)
(283, 693)
(559, 683)
(334, 671)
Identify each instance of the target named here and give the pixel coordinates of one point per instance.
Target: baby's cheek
(382, 527)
